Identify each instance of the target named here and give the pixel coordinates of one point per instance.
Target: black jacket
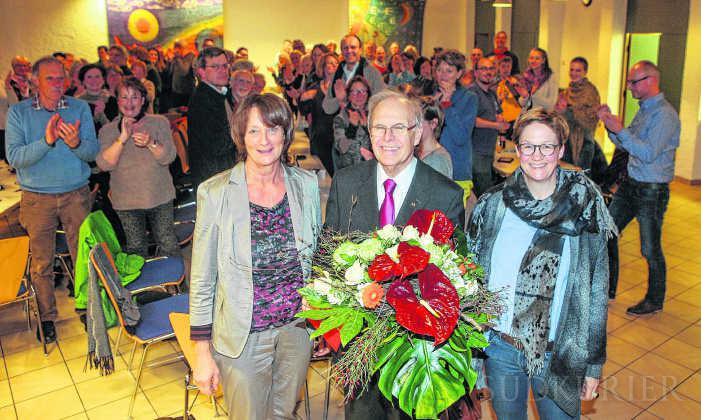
(210, 147)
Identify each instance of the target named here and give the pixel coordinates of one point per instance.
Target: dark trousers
(160, 220)
(482, 175)
(373, 405)
(646, 202)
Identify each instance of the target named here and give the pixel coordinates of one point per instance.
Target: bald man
(501, 49)
(651, 140)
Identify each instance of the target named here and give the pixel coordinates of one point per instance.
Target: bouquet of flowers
(406, 304)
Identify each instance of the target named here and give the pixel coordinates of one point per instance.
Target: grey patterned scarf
(575, 207)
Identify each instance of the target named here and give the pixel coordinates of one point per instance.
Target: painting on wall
(161, 22)
(387, 21)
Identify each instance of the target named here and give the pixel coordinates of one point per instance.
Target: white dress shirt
(403, 180)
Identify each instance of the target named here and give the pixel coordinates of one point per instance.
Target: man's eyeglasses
(546, 150)
(486, 68)
(217, 66)
(397, 130)
(634, 82)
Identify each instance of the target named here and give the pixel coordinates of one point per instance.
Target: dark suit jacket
(210, 147)
(353, 205)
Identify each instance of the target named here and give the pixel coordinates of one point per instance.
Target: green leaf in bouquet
(351, 328)
(313, 298)
(477, 339)
(316, 314)
(460, 241)
(425, 380)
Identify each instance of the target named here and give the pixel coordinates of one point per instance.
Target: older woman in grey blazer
(256, 231)
(541, 238)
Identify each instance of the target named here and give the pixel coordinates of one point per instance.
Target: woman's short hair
(274, 111)
(139, 63)
(86, 68)
(132, 82)
(551, 119)
(358, 79)
(452, 58)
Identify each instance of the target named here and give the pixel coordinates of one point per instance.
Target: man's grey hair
(210, 52)
(413, 106)
(44, 60)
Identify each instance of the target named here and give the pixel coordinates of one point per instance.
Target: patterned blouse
(277, 272)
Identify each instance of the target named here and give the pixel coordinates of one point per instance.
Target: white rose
(389, 233)
(355, 273)
(393, 253)
(410, 233)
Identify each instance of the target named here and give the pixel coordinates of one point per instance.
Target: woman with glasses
(255, 235)
(541, 238)
(350, 126)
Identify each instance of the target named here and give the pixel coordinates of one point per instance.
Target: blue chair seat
(159, 271)
(186, 213)
(184, 231)
(154, 316)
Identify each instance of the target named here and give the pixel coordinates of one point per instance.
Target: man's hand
(589, 386)
(50, 134)
(206, 372)
(70, 133)
(612, 122)
(339, 89)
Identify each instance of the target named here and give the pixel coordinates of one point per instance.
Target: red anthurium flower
(412, 259)
(435, 313)
(434, 222)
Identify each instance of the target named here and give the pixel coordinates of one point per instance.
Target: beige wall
(449, 24)
(689, 152)
(35, 28)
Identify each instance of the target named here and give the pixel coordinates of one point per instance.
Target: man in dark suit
(210, 147)
(373, 193)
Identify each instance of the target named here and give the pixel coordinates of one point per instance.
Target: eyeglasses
(636, 81)
(218, 66)
(546, 150)
(486, 68)
(358, 91)
(397, 130)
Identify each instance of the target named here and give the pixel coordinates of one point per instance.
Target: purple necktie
(387, 208)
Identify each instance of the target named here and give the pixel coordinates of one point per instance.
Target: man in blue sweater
(50, 140)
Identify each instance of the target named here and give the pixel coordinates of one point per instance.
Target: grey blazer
(221, 279)
(353, 204)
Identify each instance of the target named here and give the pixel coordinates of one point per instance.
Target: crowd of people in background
(465, 108)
